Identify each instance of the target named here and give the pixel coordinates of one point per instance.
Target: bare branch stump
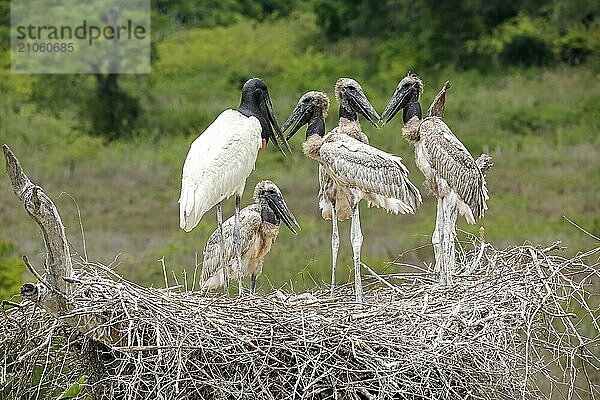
(54, 289)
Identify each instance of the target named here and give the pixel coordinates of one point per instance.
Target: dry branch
(42, 210)
(511, 326)
(53, 292)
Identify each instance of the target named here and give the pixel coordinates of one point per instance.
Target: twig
(581, 229)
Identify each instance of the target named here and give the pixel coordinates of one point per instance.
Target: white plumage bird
(218, 164)
(223, 156)
(451, 173)
(356, 168)
(259, 228)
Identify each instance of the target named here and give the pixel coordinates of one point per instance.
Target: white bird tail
(391, 205)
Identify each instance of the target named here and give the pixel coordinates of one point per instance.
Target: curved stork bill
(301, 116)
(350, 94)
(276, 133)
(407, 92)
(278, 205)
(356, 99)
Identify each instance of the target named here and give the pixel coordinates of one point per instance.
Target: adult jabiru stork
(223, 156)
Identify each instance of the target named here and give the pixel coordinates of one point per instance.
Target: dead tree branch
(55, 288)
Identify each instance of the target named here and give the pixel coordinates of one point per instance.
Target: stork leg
(335, 245)
(357, 239)
(448, 237)
(436, 238)
(253, 285)
(222, 261)
(237, 241)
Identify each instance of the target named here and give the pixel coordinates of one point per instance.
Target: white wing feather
(217, 165)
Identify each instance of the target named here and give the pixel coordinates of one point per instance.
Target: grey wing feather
(325, 193)
(450, 158)
(324, 184)
(369, 169)
(250, 221)
(484, 162)
(330, 192)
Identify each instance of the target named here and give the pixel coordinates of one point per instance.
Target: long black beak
(399, 100)
(299, 117)
(361, 104)
(277, 134)
(280, 208)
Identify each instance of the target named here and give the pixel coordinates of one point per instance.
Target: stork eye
(307, 100)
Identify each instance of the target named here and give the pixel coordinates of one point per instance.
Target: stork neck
(348, 113)
(249, 107)
(267, 214)
(413, 109)
(316, 126)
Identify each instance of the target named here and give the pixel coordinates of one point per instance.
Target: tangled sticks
(511, 326)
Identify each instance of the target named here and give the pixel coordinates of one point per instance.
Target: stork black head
(257, 102)
(353, 100)
(405, 97)
(273, 207)
(312, 110)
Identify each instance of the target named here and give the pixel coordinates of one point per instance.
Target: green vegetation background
(525, 88)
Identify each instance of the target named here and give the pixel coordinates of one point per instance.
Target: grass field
(540, 126)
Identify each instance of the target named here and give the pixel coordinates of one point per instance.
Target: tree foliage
(209, 13)
(454, 33)
(392, 35)
(4, 24)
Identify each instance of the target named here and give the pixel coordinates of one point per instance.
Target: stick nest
(517, 323)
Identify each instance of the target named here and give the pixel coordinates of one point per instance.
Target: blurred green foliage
(11, 270)
(387, 36)
(479, 34)
(209, 13)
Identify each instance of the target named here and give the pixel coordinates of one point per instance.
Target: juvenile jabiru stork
(451, 172)
(333, 198)
(356, 168)
(259, 227)
(223, 156)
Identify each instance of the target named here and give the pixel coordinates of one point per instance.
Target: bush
(526, 50)
(575, 47)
